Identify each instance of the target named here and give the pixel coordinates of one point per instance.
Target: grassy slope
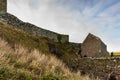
(14, 36)
(19, 60)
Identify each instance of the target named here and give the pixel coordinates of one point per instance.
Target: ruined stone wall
(103, 49)
(76, 48)
(3, 6)
(30, 28)
(90, 47)
(93, 47)
(100, 67)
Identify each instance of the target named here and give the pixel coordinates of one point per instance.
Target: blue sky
(76, 18)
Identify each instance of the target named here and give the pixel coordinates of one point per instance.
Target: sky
(75, 18)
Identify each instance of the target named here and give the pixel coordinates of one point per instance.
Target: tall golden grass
(35, 64)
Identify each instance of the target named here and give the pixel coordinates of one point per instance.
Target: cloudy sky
(76, 18)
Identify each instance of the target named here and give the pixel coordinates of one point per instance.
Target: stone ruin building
(91, 47)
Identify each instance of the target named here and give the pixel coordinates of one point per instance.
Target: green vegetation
(20, 64)
(15, 36)
(6, 73)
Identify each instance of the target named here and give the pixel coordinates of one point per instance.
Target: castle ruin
(27, 27)
(91, 47)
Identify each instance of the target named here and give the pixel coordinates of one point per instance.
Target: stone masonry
(93, 47)
(3, 7)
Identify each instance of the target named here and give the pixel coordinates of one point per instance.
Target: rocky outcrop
(30, 28)
(100, 67)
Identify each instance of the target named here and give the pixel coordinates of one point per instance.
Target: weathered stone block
(3, 6)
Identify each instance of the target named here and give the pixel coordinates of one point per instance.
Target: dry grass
(34, 64)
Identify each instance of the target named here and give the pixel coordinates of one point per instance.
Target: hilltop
(31, 41)
(23, 53)
(22, 58)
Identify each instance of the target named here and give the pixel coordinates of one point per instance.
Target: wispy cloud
(74, 17)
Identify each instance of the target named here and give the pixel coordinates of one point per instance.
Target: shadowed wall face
(3, 6)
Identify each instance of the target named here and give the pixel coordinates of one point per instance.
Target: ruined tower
(3, 6)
